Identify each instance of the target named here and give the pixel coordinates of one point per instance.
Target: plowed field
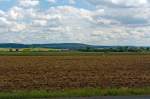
(60, 72)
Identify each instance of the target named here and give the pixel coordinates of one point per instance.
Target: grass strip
(84, 92)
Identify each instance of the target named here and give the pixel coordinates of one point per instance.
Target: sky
(97, 22)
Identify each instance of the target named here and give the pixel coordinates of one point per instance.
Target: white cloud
(2, 13)
(120, 3)
(52, 1)
(4, 21)
(72, 1)
(122, 22)
(16, 27)
(134, 3)
(15, 13)
(28, 3)
(40, 22)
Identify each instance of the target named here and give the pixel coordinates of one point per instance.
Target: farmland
(72, 72)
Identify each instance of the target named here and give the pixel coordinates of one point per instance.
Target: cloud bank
(102, 22)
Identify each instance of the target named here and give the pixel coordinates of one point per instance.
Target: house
(14, 50)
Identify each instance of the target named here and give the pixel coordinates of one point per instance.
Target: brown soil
(59, 72)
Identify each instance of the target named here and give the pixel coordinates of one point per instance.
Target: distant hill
(56, 46)
(13, 45)
(62, 45)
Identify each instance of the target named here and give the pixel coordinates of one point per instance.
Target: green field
(56, 52)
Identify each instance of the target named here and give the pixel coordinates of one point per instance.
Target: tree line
(116, 49)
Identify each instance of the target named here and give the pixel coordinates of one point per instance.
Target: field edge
(82, 92)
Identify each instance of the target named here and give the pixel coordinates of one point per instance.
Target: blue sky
(100, 22)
